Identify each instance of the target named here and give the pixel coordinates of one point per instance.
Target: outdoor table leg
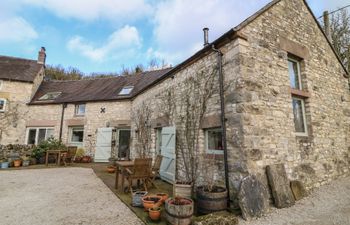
(47, 159)
(117, 178)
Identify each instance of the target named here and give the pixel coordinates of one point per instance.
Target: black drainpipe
(64, 105)
(223, 120)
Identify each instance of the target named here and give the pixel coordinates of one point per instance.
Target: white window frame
(5, 103)
(37, 133)
(71, 134)
(76, 110)
(126, 87)
(211, 151)
(303, 134)
(299, 72)
(43, 98)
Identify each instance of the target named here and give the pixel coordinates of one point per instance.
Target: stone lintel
(294, 48)
(41, 123)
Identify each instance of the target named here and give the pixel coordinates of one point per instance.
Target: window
(2, 104)
(80, 109)
(294, 74)
(50, 96)
(214, 142)
(126, 90)
(299, 116)
(36, 135)
(76, 134)
(158, 140)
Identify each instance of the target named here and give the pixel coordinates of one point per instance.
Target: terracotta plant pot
(77, 159)
(150, 201)
(110, 169)
(164, 196)
(17, 163)
(154, 213)
(86, 159)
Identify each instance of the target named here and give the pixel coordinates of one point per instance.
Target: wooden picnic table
(120, 167)
(57, 152)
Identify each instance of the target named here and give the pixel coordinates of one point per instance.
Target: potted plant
(183, 189)
(210, 196)
(79, 155)
(137, 198)
(4, 164)
(150, 201)
(39, 151)
(110, 169)
(25, 161)
(154, 213)
(17, 162)
(164, 196)
(179, 210)
(86, 159)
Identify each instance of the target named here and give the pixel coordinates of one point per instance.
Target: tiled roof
(18, 69)
(99, 89)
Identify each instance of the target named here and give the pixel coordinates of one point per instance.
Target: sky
(106, 35)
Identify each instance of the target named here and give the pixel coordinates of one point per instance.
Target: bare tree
(340, 35)
(9, 118)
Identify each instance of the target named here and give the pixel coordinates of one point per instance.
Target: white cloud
(120, 43)
(179, 23)
(16, 29)
(89, 10)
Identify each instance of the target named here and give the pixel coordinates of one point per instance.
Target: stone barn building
(286, 100)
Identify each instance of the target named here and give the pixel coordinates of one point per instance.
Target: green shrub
(49, 144)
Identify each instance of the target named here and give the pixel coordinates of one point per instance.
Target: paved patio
(59, 196)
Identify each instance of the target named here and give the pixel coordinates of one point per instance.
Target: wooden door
(167, 168)
(103, 144)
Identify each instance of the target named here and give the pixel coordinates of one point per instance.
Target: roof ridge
(13, 57)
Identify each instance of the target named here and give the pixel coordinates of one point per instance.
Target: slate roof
(99, 89)
(18, 69)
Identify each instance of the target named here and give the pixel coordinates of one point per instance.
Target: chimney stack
(206, 39)
(327, 28)
(42, 56)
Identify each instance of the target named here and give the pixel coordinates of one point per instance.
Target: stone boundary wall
(15, 150)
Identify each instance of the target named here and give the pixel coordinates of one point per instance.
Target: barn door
(167, 168)
(103, 144)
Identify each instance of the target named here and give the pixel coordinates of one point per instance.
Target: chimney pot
(42, 56)
(206, 39)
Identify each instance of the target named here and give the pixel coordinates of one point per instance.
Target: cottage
(286, 100)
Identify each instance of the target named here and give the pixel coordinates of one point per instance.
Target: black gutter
(223, 120)
(64, 105)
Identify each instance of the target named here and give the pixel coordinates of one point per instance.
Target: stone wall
(268, 130)
(15, 150)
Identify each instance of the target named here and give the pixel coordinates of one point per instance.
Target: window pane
(2, 105)
(214, 139)
(41, 136)
(31, 136)
(77, 135)
(126, 90)
(124, 143)
(294, 74)
(298, 112)
(80, 109)
(49, 133)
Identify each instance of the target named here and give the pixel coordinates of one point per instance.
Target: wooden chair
(155, 169)
(141, 171)
(69, 156)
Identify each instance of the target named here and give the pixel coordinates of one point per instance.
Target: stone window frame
(37, 133)
(76, 109)
(5, 103)
(206, 136)
(300, 94)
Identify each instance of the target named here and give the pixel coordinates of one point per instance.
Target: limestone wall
(269, 136)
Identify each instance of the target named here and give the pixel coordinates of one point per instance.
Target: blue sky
(104, 35)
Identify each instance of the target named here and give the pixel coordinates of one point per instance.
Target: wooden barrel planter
(211, 201)
(179, 211)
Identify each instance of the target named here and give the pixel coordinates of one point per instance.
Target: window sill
(75, 115)
(301, 135)
(300, 93)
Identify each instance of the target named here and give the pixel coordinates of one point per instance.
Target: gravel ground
(59, 196)
(327, 205)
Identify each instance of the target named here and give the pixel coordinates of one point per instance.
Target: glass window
(214, 140)
(2, 105)
(80, 109)
(124, 144)
(158, 140)
(299, 116)
(294, 74)
(77, 134)
(126, 90)
(37, 135)
(50, 96)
